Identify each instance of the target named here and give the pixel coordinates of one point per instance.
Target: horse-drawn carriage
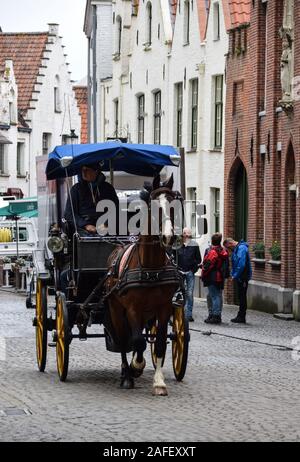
(127, 282)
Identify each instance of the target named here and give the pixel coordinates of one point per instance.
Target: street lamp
(70, 139)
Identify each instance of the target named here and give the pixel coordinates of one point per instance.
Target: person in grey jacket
(189, 261)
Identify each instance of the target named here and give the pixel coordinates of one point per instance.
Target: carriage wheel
(62, 337)
(41, 330)
(180, 344)
(153, 331)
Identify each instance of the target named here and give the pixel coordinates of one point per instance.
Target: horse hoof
(136, 373)
(159, 391)
(127, 384)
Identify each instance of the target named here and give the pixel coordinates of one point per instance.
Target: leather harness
(140, 277)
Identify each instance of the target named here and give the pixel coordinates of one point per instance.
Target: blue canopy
(136, 159)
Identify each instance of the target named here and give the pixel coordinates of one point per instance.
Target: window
(11, 113)
(218, 125)
(2, 159)
(157, 117)
(118, 36)
(194, 118)
(20, 159)
(148, 24)
(216, 21)
(57, 103)
(46, 143)
(116, 118)
(192, 219)
(216, 210)
(186, 23)
(141, 119)
(179, 107)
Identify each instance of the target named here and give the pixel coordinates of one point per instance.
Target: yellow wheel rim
(178, 343)
(40, 322)
(60, 331)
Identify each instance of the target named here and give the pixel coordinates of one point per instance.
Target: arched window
(186, 22)
(141, 118)
(118, 35)
(149, 23)
(57, 103)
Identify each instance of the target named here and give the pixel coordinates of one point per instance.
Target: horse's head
(162, 199)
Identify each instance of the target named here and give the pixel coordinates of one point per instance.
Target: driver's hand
(91, 229)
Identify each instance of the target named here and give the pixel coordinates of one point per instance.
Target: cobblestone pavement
(242, 383)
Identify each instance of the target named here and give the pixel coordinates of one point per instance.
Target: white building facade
(44, 109)
(166, 85)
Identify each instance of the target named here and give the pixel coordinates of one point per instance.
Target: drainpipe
(95, 72)
(29, 165)
(89, 90)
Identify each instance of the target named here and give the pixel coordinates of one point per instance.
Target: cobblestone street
(242, 384)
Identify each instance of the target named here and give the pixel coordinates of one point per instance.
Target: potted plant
(7, 263)
(275, 251)
(259, 250)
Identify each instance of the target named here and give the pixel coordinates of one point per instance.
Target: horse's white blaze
(136, 365)
(167, 226)
(159, 381)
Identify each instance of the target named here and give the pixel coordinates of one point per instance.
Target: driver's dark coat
(83, 203)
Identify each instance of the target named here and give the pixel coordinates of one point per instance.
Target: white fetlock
(136, 365)
(159, 386)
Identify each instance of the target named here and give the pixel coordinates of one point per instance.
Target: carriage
(63, 254)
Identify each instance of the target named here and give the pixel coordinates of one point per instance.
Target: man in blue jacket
(241, 273)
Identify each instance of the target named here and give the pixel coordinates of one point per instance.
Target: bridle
(170, 196)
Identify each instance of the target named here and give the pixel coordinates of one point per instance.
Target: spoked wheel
(180, 343)
(40, 322)
(62, 337)
(153, 332)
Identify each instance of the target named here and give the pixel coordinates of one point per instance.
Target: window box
(275, 263)
(259, 261)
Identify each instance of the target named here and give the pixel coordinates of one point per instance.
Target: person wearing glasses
(189, 261)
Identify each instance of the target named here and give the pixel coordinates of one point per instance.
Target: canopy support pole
(111, 172)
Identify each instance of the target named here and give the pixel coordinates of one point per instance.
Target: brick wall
(255, 125)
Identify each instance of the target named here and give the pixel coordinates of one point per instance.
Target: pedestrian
(189, 261)
(215, 269)
(241, 273)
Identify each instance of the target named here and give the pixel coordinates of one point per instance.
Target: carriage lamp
(55, 244)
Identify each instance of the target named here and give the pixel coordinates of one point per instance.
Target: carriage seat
(90, 254)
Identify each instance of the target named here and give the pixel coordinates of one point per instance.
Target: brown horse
(149, 293)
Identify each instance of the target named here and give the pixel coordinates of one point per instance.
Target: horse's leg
(127, 381)
(159, 386)
(121, 333)
(139, 343)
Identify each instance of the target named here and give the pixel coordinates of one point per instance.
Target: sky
(34, 15)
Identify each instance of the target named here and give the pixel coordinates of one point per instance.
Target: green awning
(27, 208)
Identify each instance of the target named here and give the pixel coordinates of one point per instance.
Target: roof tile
(26, 52)
(239, 12)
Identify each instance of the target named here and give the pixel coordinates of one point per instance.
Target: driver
(86, 194)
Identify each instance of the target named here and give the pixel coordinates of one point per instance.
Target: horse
(141, 303)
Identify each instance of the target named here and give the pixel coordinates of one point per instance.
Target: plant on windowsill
(6, 263)
(259, 250)
(275, 251)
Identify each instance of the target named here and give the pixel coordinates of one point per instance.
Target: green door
(241, 205)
